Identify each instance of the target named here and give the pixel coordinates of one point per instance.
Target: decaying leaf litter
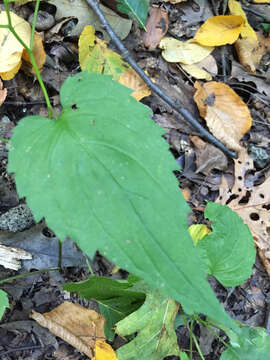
(233, 101)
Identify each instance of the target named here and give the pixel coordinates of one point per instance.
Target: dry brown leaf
(78, 326)
(38, 52)
(219, 30)
(251, 51)
(3, 93)
(156, 27)
(248, 53)
(133, 81)
(250, 202)
(10, 48)
(208, 157)
(226, 115)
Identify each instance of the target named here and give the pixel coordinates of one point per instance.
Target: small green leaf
(102, 175)
(183, 356)
(3, 302)
(253, 343)
(154, 322)
(138, 8)
(116, 298)
(229, 247)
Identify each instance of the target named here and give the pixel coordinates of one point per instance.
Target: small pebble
(44, 20)
(16, 219)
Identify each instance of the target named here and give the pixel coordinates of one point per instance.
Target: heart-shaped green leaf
(102, 175)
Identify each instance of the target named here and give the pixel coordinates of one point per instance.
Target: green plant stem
(16, 277)
(207, 325)
(34, 24)
(190, 339)
(198, 347)
(4, 140)
(30, 51)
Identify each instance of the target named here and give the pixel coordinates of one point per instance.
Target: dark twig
(255, 12)
(177, 106)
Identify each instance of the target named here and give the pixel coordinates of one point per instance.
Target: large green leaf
(139, 9)
(253, 343)
(3, 302)
(154, 322)
(229, 247)
(102, 175)
(116, 298)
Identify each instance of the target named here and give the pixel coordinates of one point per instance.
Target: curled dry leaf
(133, 81)
(250, 51)
(226, 115)
(156, 27)
(184, 52)
(3, 93)
(208, 157)
(219, 30)
(80, 327)
(250, 202)
(10, 48)
(236, 9)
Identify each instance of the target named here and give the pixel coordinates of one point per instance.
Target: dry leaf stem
(176, 105)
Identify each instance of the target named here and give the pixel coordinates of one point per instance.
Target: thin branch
(176, 105)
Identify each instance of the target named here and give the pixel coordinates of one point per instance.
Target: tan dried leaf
(80, 327)
(38, 52)
(226, 115)
(133, 81)
(250, 202)
(10, 257)
(156, 27)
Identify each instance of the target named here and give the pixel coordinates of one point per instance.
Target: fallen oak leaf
(219, 30)
(226, 115)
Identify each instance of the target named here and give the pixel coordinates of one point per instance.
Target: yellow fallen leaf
(38, 52)
(197, 72)
(104, 351)
(10, 48)
(219, 30)
(78, 326)
(236, 9)
(95, 57)
(226, 115)
(11, 73)
(133, 81)
(185, 52)
(198, 232)
(262, 1)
